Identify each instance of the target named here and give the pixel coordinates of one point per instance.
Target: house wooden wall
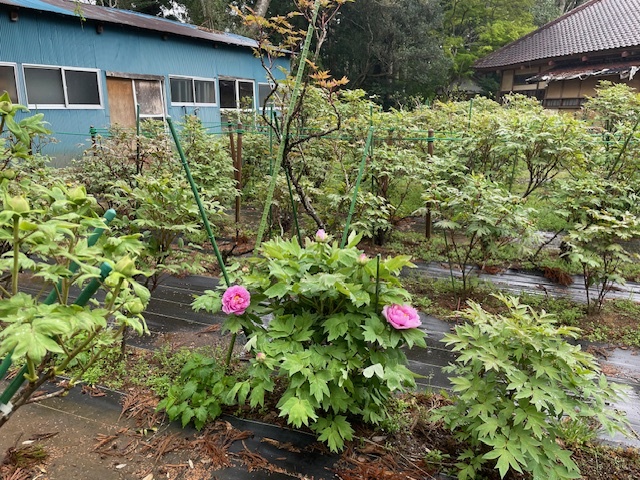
(562, 94)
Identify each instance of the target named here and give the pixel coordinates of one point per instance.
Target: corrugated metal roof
(595, 26)
(132, 19)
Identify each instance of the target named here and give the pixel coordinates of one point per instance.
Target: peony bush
(325, 323)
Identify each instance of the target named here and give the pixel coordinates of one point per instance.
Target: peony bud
(363, 259)
(126, 266)
(9, 174)
(77, 194)
(6, 107)
(321, 236)
(18, 204)
(135, 306)
(261, 357)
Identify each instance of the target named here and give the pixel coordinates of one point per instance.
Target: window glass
(246, 94)
(522, 79)
(571, 102)
(149, 97)
(264, 89)
(227, 93)
(205, 91)
(8, 82)
(181, 90)
(44, 86)
(82, 87)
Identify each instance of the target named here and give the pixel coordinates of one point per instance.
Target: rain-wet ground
(522, 281)
(170, 317)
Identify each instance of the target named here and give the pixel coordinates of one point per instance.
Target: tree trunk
(304, 199)
(261, 7)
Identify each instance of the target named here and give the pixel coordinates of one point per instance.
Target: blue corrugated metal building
(84, 65)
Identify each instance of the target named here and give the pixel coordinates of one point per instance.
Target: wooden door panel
(121, 106)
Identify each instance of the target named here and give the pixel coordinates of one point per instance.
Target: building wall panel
(49, 39)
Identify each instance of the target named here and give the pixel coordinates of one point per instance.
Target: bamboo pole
(354, 200)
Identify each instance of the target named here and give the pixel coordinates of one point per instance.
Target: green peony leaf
(298, 412)
(277, 290)
(335, 431)
(376, 369)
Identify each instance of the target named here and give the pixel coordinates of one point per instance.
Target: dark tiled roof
(595, 26)
(132, 19)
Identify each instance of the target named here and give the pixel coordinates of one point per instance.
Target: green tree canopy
(397, 50)
(474, 28)
(391, 48)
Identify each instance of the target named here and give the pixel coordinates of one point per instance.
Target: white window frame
(15, 77)
(193, 89)
(277, 96)
(162, 96)
(66, 106)
(237, 81)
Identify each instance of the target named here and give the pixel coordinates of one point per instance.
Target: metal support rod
(196, 195)
(427, 217)
(354, 200)
(53, 295)
(238, 166)
(88, 292)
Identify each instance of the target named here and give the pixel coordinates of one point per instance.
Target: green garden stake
(92, 134)
(90, 290)
(294, 209)
(363, 162)
(19, 379)
(53, 295)
(272, 118)
(5, 365)
(109, 215)
(196, 196)
(205, 221)
(377, 282)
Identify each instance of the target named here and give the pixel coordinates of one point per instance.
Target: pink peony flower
(261, 357)
(363, 259)
(321, 236)
(401, 316)
(235, 300)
